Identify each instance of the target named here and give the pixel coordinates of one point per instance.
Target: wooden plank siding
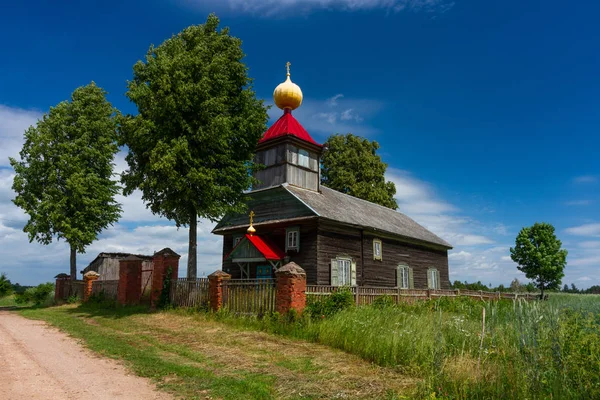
(334, 241)
(420, 259)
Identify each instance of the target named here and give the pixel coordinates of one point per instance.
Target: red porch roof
(267, 248)
(287, 125)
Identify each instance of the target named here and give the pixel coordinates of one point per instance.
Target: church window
(343, 272)
(377, 250)
(433, 278)
(303, 159)
(292, 239)
(404, 278)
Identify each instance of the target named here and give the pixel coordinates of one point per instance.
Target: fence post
(61, 284)
(215, 289)
(161, 261)
(129, 290)
(291, 289)
(89, 278)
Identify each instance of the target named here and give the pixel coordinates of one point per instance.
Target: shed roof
(268, 249)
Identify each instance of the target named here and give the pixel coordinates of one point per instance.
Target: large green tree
(350, 165)
(5, 285)
(192, 142)
(64, 179)
(539, 255)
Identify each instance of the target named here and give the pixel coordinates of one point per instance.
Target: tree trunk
(542, 293)
(73, 263)
(192, 247)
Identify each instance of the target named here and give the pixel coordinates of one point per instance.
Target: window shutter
(411, 281)
(398, 276)
(429, 278)
(353, 274)
(439, 283)
(334, 273)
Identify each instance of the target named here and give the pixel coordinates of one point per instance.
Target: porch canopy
(255, 249)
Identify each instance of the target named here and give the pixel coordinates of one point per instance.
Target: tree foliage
(539, 255)
(350, 165)
(6, 287)
(191, 145)
(64, 180)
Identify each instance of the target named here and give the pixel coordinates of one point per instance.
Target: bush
(40, 295)
(337, 301)
(5, 286)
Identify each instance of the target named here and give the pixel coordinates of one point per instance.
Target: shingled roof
(334, 206)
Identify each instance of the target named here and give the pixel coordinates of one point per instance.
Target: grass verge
(195, 357)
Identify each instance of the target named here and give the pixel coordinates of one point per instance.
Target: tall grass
(548, 349)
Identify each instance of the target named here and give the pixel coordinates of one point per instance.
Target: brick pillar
(215, 288)
(61, 287)
(291, 289)
(161, 262)
(130, 280)
(88, 281)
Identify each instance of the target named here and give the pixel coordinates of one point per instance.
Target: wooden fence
(189, 292)
(75, 289)
(249, 296)
(366, 295)
(109, 288)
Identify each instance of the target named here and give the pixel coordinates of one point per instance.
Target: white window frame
(403, 277)
(292, 239)
(433, 278)
(344, 276)
(376, 256)
(303, 158)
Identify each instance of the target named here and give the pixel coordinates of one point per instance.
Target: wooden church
(336, 238)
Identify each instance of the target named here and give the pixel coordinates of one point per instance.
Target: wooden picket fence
(109, 288)
(75, 289)
(249, 296)
(189, 292)
(366, 295)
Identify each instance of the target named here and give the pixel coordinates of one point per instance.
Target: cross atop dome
(287, 95)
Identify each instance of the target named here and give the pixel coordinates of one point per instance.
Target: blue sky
(487, 112)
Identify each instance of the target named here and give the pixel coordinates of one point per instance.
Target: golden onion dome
(287, 95)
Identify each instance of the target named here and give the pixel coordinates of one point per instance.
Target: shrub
(337, 301)
(39, 295)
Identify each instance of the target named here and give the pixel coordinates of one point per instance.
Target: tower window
(303, 159)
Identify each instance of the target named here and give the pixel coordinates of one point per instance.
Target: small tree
(539, 255)
(515, 285)
(199, 121)
(64, 180)
(350, 165)
(5, 285)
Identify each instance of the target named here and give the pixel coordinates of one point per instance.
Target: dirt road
(39, 362)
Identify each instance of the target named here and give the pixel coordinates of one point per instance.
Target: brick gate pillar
(60, 288)
(129, 290)
(291, 289)
(88, 280)
(215, 289)
(161, 262)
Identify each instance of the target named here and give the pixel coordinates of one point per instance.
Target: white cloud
(13, 123)
(585, 179)
(579, 203)
(585, 230)
(332, 101)
(279, 7)
(584, 278)
(590, 244)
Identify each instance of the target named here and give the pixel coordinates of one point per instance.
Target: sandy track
(39, 362)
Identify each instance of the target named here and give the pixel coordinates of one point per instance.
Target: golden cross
(287, 66)
(251, 217)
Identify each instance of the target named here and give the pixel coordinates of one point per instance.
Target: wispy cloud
(585, 230)
(279, 7)
(579, 203)
(13, 123)
(337, 114)
(585, 179)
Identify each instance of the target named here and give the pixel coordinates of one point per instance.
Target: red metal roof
(267, 248)
(287, 125)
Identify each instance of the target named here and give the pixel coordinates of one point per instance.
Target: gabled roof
(287, 125)
(330, 205)
(265, 247)
(340, 207)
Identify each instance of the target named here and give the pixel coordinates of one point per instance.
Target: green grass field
(8, 301)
